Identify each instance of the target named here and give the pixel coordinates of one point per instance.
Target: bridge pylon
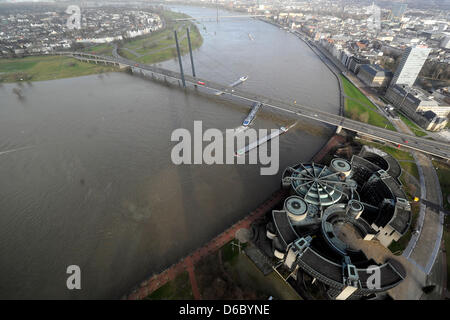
(179, 59)
(190, 51)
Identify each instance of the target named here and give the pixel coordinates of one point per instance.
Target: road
(423, 250)
(424, 246)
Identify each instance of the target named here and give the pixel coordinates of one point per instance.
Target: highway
(435, 148)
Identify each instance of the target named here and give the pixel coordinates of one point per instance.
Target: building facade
(374, 76)
(417, 105)
(412, 62)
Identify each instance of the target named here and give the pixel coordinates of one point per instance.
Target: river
(89, 180)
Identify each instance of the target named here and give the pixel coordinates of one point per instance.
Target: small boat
(248, 120)
(239, 81)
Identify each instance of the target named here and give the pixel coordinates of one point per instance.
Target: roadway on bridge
(436, 148)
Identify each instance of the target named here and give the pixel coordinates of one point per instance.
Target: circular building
(320, 185)
(317, 232)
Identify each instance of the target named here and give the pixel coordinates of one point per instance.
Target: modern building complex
(428, 111)
(412, 62)
(309, 234)
(374, 76)
(425, 109)
(354, 63)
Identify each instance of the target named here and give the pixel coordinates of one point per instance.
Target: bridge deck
(435, 148)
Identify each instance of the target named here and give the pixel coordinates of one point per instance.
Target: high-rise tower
(412, 61)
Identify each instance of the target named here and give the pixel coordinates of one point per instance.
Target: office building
(412, 62)
(374, 76)
(427, 111)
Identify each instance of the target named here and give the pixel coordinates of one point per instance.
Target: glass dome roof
(316, 183)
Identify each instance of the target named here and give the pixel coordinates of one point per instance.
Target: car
(201, 83)
(405, 141)
(135, 64)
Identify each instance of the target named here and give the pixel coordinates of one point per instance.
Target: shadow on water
(314, 128)
(19, 93)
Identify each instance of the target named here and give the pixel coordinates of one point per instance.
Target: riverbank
(160, 45)
(359, 107)
(353, 103)
(40, 68)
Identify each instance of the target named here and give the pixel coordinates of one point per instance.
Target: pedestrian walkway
(192, 279)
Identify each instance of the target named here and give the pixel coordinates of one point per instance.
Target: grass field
(398, 246)
(39, 68)
(160, 45)
(359, 107)
(104, 49)
(413, 127)
(395, 152)
(447, 247)
(352, 91)
(178, 289)
(411, 168)
(443, 173)
(411, 190)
